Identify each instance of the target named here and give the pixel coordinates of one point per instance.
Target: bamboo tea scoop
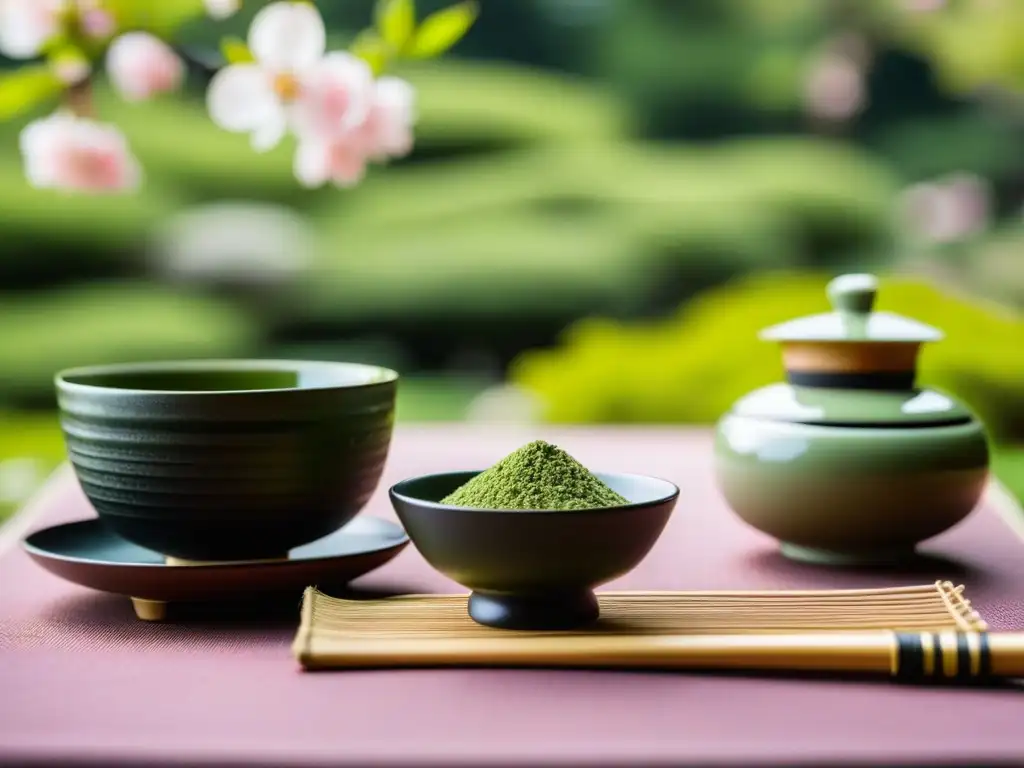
(950, 656)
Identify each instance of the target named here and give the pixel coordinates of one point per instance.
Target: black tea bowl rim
(396, 492)
(63, 379)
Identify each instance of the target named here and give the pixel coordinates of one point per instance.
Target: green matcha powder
(538, 476)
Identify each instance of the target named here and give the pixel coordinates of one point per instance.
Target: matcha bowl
(533, 569)
(227, 460)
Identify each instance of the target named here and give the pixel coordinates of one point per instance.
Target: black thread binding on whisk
(910, 658)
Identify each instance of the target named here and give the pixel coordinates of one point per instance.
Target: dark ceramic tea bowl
(533, 569)
(227, 460)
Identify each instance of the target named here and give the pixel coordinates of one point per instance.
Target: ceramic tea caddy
(847, 461)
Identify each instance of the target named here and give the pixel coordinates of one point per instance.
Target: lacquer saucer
(88, 553)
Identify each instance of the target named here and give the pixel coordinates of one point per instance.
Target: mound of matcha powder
(538, 476)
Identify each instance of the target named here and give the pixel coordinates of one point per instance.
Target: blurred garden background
(607, 200)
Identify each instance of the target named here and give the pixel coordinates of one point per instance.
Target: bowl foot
(565, 610)
(817, 556)
(149, 610)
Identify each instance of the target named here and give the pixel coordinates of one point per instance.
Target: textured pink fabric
(82, 681)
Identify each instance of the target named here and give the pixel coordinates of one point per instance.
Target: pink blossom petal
(393, 117)
(288, 36)
(241, 98)
(334, 96)
(141, 66)
(835, 89)
(312, 164)
(347, 164)
(78, 155)
(26, 25)
(269, 135)
(98, 23)
(338, 162)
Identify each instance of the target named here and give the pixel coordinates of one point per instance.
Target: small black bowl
(533, 569)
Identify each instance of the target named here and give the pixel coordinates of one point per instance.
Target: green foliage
(108, 323)
(972, 142)
(993, 268)
(609, 228)
(27, 89)
(442, 30)
(46, 233)
(503, 265)
(395, 35)
(369, 47)
(744, 62)
(692, 367)
(460, 101)
(559, 217)
(1008, 465)
(972, 45)
(235, 51)
(32, 439)
(160, 17)
(396, 22)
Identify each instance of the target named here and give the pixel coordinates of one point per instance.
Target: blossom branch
(344, 113)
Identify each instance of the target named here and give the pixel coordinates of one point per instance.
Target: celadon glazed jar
(847, 461)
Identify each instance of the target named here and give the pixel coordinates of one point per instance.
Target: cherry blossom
(949, 209)
(387, 132)
(140, 65)
(341, 157)
(287, 40)
(97, 22)
(222, 9)
(27, 25)
(334, 96)
(319, 161)
(834, 89)
(75, 154)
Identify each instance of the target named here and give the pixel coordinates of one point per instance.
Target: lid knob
(853, 294)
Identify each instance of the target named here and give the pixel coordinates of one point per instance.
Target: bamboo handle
(960, 657)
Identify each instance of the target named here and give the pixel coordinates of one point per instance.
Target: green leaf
(235, 51)
(369, 47)
(161, 17)
(441, 30)
(396, 20)
(27, 88)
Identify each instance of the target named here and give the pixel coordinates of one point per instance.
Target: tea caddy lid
(852, 347)
(853, 318)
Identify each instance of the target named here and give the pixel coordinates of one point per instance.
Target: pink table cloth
(83, 682)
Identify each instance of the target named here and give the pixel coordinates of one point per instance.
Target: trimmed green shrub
(972, 142)
(607, 228)
(442, 195)
(504, 265)
(106, 323)
(46, 233)
(469, 102)
(692, 367)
